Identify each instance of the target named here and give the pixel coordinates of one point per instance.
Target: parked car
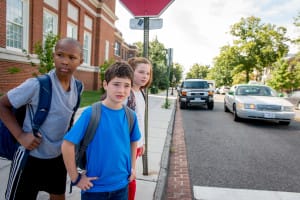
(294, 98)
(224, 89)
(258, 102)
(194, 92)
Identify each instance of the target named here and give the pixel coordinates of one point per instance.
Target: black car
(193, 92)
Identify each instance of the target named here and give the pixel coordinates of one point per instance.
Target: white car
(258, 102)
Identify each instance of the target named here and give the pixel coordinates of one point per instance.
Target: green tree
(297, 24)
(222, 72)
(257, 45)
(45, 53)
(198, 71)
(102, 69)
(284, 78)
(177, 73)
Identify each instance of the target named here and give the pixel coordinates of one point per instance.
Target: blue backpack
(8, 144)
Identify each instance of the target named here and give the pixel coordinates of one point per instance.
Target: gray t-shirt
(59, 116)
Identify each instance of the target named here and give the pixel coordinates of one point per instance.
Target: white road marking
(218, 193)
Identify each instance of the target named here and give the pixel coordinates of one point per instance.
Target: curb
(159, 192)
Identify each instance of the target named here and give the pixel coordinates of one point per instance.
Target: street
(246, 155)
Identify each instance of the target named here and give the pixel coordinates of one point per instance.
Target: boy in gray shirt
(44, 169)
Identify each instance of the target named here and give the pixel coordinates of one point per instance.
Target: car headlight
(246, 106)
(288, 108)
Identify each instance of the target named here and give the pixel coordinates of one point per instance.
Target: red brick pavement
(178, 186)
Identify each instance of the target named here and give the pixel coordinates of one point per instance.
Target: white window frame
(54, 28)
(52, 3)
(72, 30)
(106, 56)
(88, 22)
(25, 29)
(117, 49)
(87, 47)
(73, 12)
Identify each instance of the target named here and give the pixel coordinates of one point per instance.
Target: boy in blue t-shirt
(111, 154)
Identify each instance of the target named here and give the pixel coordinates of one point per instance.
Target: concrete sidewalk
(160, 127)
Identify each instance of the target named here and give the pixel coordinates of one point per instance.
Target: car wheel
(182, 105)
(210, 106)
(235, 116)
(225, 108)
(284, 123)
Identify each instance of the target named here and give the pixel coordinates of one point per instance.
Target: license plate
(269, 115)
(197, 99)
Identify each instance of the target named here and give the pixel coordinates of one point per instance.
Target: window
(16, 20)
(49, 23)
(117, 49)
(106, 50)
(72, 31)
(72, 12)
(87, 48)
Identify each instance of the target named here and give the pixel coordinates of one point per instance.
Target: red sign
(146, 8)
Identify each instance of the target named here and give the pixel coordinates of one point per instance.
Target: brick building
(23, 23)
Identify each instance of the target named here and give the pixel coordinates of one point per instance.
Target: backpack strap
(129, 116)
(79, 90)
(89, 134)
(45, 96)
(143, 93)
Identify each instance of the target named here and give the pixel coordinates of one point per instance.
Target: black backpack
(8, 144)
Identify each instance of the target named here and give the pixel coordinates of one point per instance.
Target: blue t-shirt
(109, 153)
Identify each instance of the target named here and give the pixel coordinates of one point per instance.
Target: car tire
(284, 123)
(225, 108)
(182, 105)
(210, 106)
(236, 118)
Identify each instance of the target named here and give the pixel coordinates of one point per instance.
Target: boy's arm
(29, 141)
(133, 146)
(68, 152)
(81, 181)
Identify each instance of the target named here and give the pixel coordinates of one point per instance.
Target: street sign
(138, 23)
(146, 8)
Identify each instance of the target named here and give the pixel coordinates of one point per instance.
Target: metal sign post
(146, 55)
(146, 9)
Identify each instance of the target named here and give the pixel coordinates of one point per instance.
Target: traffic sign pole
(146, 55)
(146, 9)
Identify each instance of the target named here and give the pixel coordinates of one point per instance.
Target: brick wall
(9, 80)
(103, 16)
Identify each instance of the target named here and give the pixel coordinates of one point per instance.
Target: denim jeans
(121, 194)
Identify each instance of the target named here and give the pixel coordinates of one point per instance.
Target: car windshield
(255, 91)
(196, 84)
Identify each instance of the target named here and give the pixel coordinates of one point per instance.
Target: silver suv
(193, 92)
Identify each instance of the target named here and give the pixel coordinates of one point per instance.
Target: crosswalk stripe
(218, 193)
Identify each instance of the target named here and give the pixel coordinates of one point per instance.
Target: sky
(197, 29)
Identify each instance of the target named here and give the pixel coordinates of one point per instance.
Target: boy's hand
(29, 141)
(85, 182)
(132, 175)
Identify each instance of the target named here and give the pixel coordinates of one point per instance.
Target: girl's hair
(120, 70)
(135, 61)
